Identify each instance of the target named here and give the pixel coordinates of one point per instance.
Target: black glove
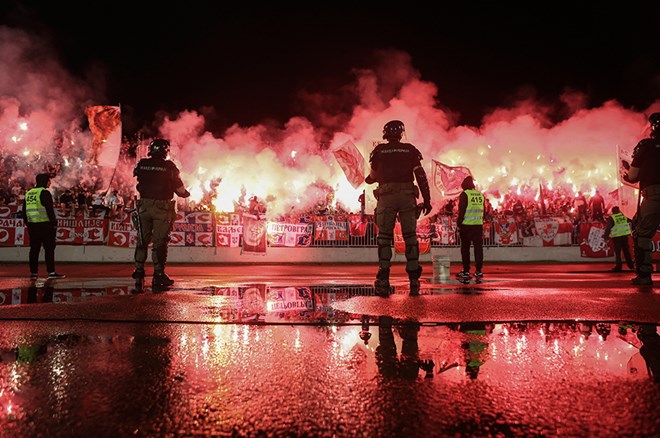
(369, 180)
(625, 164)
(185, 194)
(427, 207)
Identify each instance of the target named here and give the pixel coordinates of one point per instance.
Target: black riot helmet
(393, 130)
(654, 120)
(159, 147)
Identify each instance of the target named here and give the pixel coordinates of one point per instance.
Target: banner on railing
(291, 235)
(555, 231)
(506, 232)
(192, 229)
(255, 235)
(445, 230)
(400, 244)
(327, 227)
(592, 243)
(121, 232)
(358, 225)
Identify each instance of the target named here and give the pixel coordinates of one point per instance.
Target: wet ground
(310, 350)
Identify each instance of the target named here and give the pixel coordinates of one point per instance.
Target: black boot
(138, 275)
(382, 283)
(161, 279)
(413, 276)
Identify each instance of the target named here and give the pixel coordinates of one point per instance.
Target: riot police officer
(158, 180)
(395, 166)
(644, 169)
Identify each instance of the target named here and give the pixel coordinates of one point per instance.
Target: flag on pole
(352, 163)
(542, 199)
(105, 124)
(448, 179)
(624, 158)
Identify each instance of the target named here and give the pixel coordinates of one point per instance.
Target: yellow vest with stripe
(34, 209)
(621, 226)
(474, 213)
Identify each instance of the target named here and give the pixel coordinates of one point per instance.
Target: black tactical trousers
(156, 219)
(472, 235)
(41, 234)
(648, 219)
(397, 200)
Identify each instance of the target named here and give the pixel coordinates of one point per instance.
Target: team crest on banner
(506, 232)
(254, 235)
(546, 229)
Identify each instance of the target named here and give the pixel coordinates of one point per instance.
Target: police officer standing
(618, 228)
(471, 228)
(395, 166)
(644, 169)
(39, 215)
(158, 180)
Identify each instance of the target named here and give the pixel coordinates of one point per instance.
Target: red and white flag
(352, 163)
(448, 179)
(105, 124)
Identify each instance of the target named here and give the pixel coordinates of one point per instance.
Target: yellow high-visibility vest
(621, 226)
(34, 209)
(474, 213)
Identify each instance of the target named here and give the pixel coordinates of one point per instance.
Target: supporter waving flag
(352, 163)
(448, 179)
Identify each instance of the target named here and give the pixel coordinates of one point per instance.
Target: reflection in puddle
(162, 379)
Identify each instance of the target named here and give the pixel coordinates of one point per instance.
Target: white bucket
(441, 265)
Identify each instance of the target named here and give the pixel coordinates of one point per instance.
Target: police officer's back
(395, 166)
(158, 181)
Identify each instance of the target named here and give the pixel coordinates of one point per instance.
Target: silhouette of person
(650, 349)
(408, 364)
(475, 347)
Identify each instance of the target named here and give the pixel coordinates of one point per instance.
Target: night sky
(249, 65)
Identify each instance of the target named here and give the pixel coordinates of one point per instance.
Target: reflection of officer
(618, 228)
(409, 364)
(395, 166)
(650, 349)
(39, 215)
(644, 168)
(158, 181)
(471, 228)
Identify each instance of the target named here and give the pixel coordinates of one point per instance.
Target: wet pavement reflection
(263, 360)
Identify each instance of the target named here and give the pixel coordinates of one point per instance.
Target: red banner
(330, 227)
(255, 235)
(400, 244)
(592, 244)
(192, 229)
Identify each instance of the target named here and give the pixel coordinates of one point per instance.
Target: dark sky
(250, 62)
